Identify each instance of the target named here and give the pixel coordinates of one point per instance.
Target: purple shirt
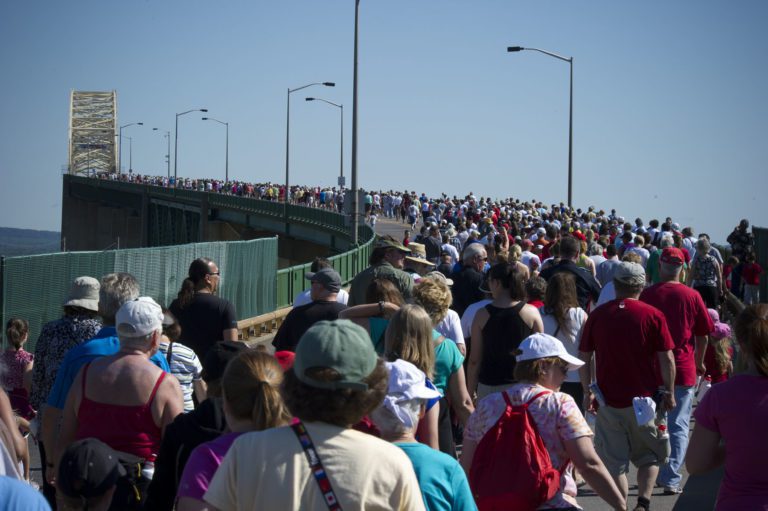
(202, 464)
(737, 409)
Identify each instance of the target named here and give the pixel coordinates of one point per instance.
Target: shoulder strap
(534, 398)
(537, 396)
(169, 353)
(316, 466)
(157, 386)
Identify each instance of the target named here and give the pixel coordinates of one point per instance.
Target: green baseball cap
(339, 345)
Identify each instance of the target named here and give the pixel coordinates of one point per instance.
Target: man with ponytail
(204, 317)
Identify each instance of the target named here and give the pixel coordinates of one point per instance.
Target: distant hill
(15, 242)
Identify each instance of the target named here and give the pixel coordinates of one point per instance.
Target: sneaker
(672, 490)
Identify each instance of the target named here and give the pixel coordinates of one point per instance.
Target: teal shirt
(652, 267)
(378, 327)
(448, 360)
(443, 484)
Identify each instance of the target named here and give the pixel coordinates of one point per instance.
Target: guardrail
(290, 281)
(300, 214)
(264, 324)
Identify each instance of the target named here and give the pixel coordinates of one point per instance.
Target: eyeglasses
(217, 273)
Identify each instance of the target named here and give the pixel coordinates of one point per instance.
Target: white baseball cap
(139, 317)
(538, 346)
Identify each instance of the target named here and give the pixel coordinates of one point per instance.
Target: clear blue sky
(670, 108)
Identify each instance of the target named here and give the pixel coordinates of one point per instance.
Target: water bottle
(661, 416)
(661, 426)
(595, 390)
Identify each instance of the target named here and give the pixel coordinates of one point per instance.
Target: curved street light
(176, 141)
(130, 155)
(512, 49)
(288, 135)
(120, 144)
(341, 135)
(226, 160)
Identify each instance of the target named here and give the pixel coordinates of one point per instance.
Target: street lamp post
(341, 135)
(226, 158)
(176, 142)
(167, 136)
(120, 144)
(570, 114)
(288, 135)
(130, 155)
(353, 163)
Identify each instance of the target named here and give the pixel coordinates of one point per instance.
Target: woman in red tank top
(124, 400)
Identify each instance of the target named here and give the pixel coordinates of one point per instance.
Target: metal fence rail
(291, 281)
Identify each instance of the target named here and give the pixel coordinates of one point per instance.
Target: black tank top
(502, 334)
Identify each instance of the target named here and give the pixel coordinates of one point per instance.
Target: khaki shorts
(619, 440)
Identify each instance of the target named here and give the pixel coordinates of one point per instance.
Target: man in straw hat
(416, 263)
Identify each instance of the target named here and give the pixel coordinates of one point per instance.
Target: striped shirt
(186, 367)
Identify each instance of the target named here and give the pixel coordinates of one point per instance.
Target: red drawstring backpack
(511, 469)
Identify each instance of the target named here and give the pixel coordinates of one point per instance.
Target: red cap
(285, 359)
(672, 255)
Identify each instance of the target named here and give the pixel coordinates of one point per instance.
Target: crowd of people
(499, 357)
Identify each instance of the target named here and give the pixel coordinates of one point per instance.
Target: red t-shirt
(751, 274)
(686, 317)
(626, 336)
(545, 246)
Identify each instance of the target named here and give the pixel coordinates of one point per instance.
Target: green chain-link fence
(34, 287)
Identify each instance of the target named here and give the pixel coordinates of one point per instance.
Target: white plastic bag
(645, 410)
(704, 386)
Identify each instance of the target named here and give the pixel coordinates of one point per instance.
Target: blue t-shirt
(17, 495)
(104, 343)
(443, 482)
